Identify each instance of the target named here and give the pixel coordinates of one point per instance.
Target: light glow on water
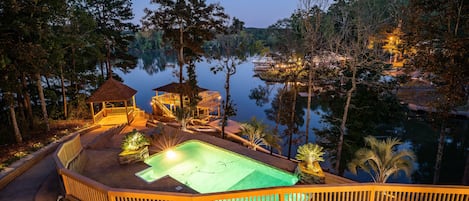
(207, 169)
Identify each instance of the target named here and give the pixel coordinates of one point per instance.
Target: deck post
(281, 197)
(373, 193)
(92, 112)
(126, 112)
(104, 108)
(65, 182)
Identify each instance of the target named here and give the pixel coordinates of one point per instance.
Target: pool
(207, 169)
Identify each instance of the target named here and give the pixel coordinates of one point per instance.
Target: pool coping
(102, 164)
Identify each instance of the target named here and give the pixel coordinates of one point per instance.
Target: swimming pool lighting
(170, 154)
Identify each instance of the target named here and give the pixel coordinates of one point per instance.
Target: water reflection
(272, 103)
(260, 94)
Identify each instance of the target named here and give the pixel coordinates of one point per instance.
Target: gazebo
(176, 88)
(167, 98)
(113, 103)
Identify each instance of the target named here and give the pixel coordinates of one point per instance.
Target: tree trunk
(439, 154)
(181, 64)
(47, 82)
(227, 101)
(101, 67)
(108, 60)
(277, 118)
(292, 120)
(27, 100)
(18, 137)
(43, 101)
(308, 107)
(64, 95)
(343, 127)
(465, 179)
(21, 107)
(72, 78)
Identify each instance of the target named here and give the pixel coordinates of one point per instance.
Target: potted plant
(310, 155)
(134, 147)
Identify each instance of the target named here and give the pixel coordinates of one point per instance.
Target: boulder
(126, 157)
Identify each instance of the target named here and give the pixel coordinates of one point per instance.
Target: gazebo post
(92, 112)
(104, 108)
(126, 114)
(134, 103)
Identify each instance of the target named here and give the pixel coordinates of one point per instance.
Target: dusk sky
(255, 13)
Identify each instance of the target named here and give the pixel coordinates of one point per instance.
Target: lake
(416, 133)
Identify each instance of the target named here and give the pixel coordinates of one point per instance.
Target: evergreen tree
(186, 25)
(116, 31)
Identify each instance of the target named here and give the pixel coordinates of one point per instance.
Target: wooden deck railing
(85, 188)
(68, 151)
(99, 116)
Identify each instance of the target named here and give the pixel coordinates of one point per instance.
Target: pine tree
(186, 25)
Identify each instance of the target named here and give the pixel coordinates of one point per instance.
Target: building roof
(112, 90)
(176, 88)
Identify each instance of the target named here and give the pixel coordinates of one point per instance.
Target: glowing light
(170, 154)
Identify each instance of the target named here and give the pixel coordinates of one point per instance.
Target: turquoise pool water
(207, 169)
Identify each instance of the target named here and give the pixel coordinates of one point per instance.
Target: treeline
(152, 41)
(53, 54)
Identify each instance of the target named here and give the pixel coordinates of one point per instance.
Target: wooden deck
(165, 104)
(122, 176)
(336, 189)
(115, 119)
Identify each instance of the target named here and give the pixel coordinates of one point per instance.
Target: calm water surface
(416, 134)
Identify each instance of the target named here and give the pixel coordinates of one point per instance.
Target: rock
(126, 157)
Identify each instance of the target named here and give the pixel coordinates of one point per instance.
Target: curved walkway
(41, 181)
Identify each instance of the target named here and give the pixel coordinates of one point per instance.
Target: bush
(134, 141)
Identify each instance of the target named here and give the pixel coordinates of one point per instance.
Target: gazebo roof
(112, 90)
(176, 88)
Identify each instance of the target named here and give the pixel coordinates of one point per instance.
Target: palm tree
(273, 141)
(382, 159)
(255, 131)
